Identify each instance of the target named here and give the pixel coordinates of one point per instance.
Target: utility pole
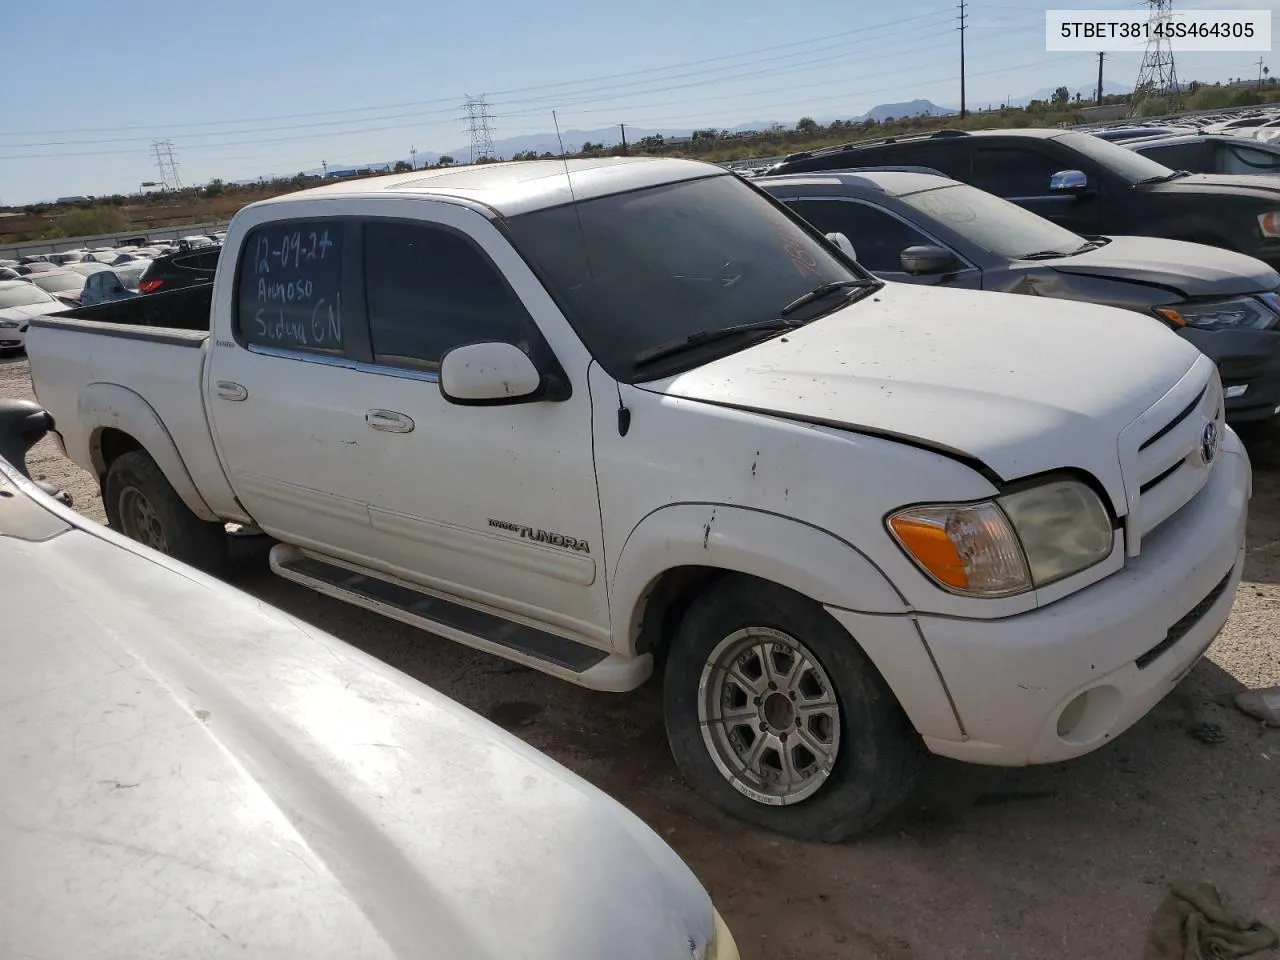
(1101, 57)
(1261, 68)
(623, 128)
(964, 18)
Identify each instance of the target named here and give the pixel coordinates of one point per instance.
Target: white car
(190, 773)
(19, 302)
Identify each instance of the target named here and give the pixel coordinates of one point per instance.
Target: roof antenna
(624, 415)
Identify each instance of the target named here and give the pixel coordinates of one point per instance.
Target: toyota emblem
(1209, 442)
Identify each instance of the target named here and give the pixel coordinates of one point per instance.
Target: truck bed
(186, 308)
(126, 366)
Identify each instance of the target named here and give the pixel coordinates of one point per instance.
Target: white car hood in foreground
(189, 773)
(1021, 384)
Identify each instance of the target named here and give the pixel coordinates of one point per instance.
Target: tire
(141, 504)
(873, 755)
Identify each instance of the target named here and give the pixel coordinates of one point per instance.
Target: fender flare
(103, 406)
(780, 549)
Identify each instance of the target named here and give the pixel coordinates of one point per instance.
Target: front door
(1022, 174)
(878, 239)
(493, 504)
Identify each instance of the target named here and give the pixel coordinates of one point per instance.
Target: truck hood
(1191, 269)
(190, 773)
(1233, 184)
(1020, 384)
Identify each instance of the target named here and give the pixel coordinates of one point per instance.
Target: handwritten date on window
(291, 287)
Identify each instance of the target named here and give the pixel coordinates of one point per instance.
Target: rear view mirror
(842, 242)
(489, 373)
(926, 259)
(1068, 181)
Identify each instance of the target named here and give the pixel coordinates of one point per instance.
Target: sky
(244, 89)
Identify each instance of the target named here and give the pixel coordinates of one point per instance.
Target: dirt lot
(1062, 861)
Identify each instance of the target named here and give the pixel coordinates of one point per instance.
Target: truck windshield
(1123, 162)
(682, 261)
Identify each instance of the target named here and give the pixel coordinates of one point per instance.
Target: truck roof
(518, 187)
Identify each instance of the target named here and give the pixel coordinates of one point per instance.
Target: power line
(807, 44)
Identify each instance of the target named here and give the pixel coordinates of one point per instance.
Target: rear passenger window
(289, 286)
(429, 290)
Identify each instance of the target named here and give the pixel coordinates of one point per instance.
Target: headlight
(722, 945)
(1014, 543)
(1244, 313)
(1269, 223)
(8, 324)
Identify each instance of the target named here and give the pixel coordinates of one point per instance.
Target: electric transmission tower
(166, 164)
(478, 118)
(1157, 78)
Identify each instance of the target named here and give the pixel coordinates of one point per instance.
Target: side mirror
(1068, 181)
(489, 373)
(927, 259)
(841, 241)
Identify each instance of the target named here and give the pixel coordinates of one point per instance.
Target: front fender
(103, 406)
(780, 549)
(806, 559)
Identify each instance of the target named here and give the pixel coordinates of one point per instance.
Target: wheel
(774, 713)
(141, 504)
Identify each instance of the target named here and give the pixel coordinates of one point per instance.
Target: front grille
(1161, 452)
(1184, 624)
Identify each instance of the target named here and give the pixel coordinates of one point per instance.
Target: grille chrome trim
(1160, 452)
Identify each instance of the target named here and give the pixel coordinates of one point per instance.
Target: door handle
(388, 421)
(231, 391)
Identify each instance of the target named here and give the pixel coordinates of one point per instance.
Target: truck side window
(289, 288)
(429, 290)
(1014, 171)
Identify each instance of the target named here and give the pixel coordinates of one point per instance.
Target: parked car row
(615, 416)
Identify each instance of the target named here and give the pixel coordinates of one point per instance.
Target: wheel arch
(676, 552)
(117, 421)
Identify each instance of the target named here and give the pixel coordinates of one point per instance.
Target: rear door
(283, 387)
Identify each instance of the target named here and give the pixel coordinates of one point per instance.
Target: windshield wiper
(825, 290)
(700, 337)
(1057, 254)
(1172, 175)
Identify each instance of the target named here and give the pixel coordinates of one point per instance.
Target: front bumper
(1065, 679)
(1249, 364)
(13, 338)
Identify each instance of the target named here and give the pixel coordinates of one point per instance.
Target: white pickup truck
(629, 412)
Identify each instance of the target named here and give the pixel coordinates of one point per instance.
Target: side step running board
(568, 659)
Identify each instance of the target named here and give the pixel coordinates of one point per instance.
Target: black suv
(176, 270)
(1088, 185)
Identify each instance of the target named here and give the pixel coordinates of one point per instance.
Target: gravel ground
(1059, 861)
